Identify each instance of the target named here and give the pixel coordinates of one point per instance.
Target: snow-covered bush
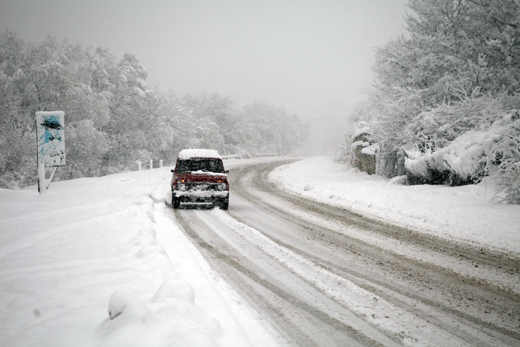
(466, 159)
(472, 156)
(346, 151)
(505, 155)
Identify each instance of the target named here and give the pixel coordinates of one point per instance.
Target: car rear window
(205, 164)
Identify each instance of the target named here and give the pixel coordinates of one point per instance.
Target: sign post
(51, 144)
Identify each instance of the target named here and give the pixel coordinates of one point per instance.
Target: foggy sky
(313, 57)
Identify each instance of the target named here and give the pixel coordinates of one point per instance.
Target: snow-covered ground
(103, 262)
(468, 213)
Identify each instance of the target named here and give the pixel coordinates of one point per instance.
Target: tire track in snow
(295, 317)
(434, 310)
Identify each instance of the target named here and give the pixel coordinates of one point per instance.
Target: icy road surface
(322, 276)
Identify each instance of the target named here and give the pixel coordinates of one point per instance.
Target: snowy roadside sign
(51, 138)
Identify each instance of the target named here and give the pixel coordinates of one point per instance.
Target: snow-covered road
(107, 262)
(324, 276)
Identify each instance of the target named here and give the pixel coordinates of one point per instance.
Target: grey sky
(313, 57)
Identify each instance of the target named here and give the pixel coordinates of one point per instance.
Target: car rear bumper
(200, 195)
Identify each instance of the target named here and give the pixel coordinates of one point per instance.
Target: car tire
(224, 204)
(176, 203)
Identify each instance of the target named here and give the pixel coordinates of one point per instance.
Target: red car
(199, 177)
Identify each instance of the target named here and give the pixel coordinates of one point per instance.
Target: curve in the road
(466, 308)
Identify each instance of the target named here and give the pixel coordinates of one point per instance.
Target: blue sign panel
(51, 138)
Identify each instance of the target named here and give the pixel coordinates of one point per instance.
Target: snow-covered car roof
(198, 153)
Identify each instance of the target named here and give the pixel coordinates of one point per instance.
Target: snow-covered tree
(456, 70)
(270, 129)
(112, 118)
(86, 147)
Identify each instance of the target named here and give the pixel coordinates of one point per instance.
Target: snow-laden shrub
(506, 157)
(343, 154)
(471, 156)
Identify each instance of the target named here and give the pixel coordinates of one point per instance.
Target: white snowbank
(468, 213)
(102, 262)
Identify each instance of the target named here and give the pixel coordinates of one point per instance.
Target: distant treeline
(447, 96)
(112, 119)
